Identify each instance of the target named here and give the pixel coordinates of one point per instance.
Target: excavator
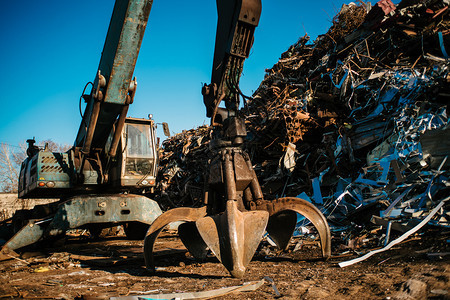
(100, 181)
(234, 216)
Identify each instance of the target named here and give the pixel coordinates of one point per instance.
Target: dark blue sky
(51, 49)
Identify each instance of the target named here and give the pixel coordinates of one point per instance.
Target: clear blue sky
(50, 49)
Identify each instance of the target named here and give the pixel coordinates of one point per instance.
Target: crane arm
(236, 24)
(113, 87)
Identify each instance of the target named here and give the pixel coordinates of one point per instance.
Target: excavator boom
(113, 87)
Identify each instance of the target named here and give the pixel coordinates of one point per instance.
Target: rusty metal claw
(281, 222)
(281, 226)
(186, 214)
(233, 236)
(235, 217)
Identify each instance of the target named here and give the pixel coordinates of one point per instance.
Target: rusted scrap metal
(183, 168)
(350, 93)
(345, 80)
(400, 239)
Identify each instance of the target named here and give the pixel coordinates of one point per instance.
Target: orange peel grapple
(235, 215)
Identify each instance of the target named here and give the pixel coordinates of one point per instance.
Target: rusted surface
(234, 229)
(233, 236)
(185, 214)
(306, 209)
(117, 64)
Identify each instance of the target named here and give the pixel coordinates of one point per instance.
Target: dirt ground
(85, 269)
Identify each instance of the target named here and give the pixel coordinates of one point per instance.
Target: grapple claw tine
(281, 226)
(309, 211)
(233, 236)
(186, 214)
(149, 241)
(191, 238)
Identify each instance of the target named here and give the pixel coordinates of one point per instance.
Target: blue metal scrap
(402, 89)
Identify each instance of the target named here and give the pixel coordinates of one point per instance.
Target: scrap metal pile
(355, 122)
(183, 167)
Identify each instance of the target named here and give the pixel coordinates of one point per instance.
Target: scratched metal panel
(54, 167)
(122, 47)
(119, 55)
(88, 209)
(29, 234)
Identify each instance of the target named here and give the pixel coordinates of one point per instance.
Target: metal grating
(48, 160)
(51, 169)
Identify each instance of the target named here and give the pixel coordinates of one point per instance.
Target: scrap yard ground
(115, 267)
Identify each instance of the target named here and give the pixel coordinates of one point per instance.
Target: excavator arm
(113, 88)
(236, 24)
(94, 161)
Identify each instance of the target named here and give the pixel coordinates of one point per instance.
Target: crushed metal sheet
(398, 240)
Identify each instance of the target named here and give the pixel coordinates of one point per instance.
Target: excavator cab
(136, 164)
